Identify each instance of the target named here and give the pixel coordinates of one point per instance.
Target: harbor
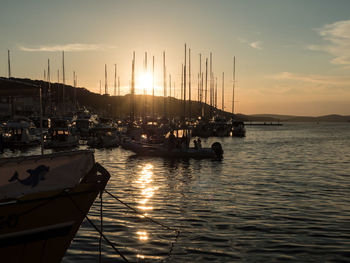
(174, 131)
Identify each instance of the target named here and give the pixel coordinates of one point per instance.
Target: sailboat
(44, 198)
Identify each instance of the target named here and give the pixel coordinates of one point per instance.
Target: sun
(145, 83)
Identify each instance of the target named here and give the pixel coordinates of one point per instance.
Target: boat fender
(216, 147)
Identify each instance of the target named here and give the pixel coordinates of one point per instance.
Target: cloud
(337, 38)
(256, 44)
(74, 47)
(319, 80)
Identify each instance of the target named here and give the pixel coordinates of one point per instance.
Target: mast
(100, 88)
(189, 83)
(63, 82)
(164, 84)
(153, 87)
(216, 93)
(118, 86)
(233, 85)
(206, 82)
(9, 63)
(184, 102)
(211, 84)
(144, 88)
(182, 82)
(115, 79)
(106, 84)
(132, 89)
(223, 92)
(170, 104)
(49, 85)
(75, 89)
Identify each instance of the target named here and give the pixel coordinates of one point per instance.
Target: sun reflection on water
(147, 189)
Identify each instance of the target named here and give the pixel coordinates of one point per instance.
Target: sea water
(282, 193)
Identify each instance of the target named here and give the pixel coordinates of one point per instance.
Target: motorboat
(176, 145)
(238, 129)
(60, 135)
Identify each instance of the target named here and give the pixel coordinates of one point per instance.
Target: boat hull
(39, 227)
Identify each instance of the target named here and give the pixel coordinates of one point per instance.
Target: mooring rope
(140, 213)
(98, 230)
(101, 227)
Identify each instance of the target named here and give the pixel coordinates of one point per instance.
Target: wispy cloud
(256, 44)
(334, 81)
(337, 38)
(74, 47)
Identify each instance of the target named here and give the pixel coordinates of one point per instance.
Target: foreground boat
(43, 201)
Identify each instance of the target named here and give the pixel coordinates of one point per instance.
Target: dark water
(280, 194)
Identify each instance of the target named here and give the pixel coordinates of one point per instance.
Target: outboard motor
(217, 149)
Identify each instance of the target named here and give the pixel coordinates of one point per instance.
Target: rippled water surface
(280, 194)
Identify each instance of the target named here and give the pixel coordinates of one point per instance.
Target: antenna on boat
(9, 63)
(233, 84)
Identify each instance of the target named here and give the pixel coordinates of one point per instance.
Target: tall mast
(211, 83)
(144, 88)
(184, 110)
(223, 92)
(206, 82)
(106, 84)
(200, 74)
(216, 93)
(233, 85)
(63, 82)
(49, 86)
(115, 79)
(9, 63)
(153, 87)
(100, 88)
(75, 89)
(44, 75)
(189, 82)
(182, 82)
(118, 86)
(202, 85)
(133, 88)
(164, 84)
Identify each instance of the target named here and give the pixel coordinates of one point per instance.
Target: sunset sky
(292, 56)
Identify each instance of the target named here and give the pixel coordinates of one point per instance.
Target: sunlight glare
(145, 82)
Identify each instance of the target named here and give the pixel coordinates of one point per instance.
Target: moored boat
(43, 200)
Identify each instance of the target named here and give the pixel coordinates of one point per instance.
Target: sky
(292, 56)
